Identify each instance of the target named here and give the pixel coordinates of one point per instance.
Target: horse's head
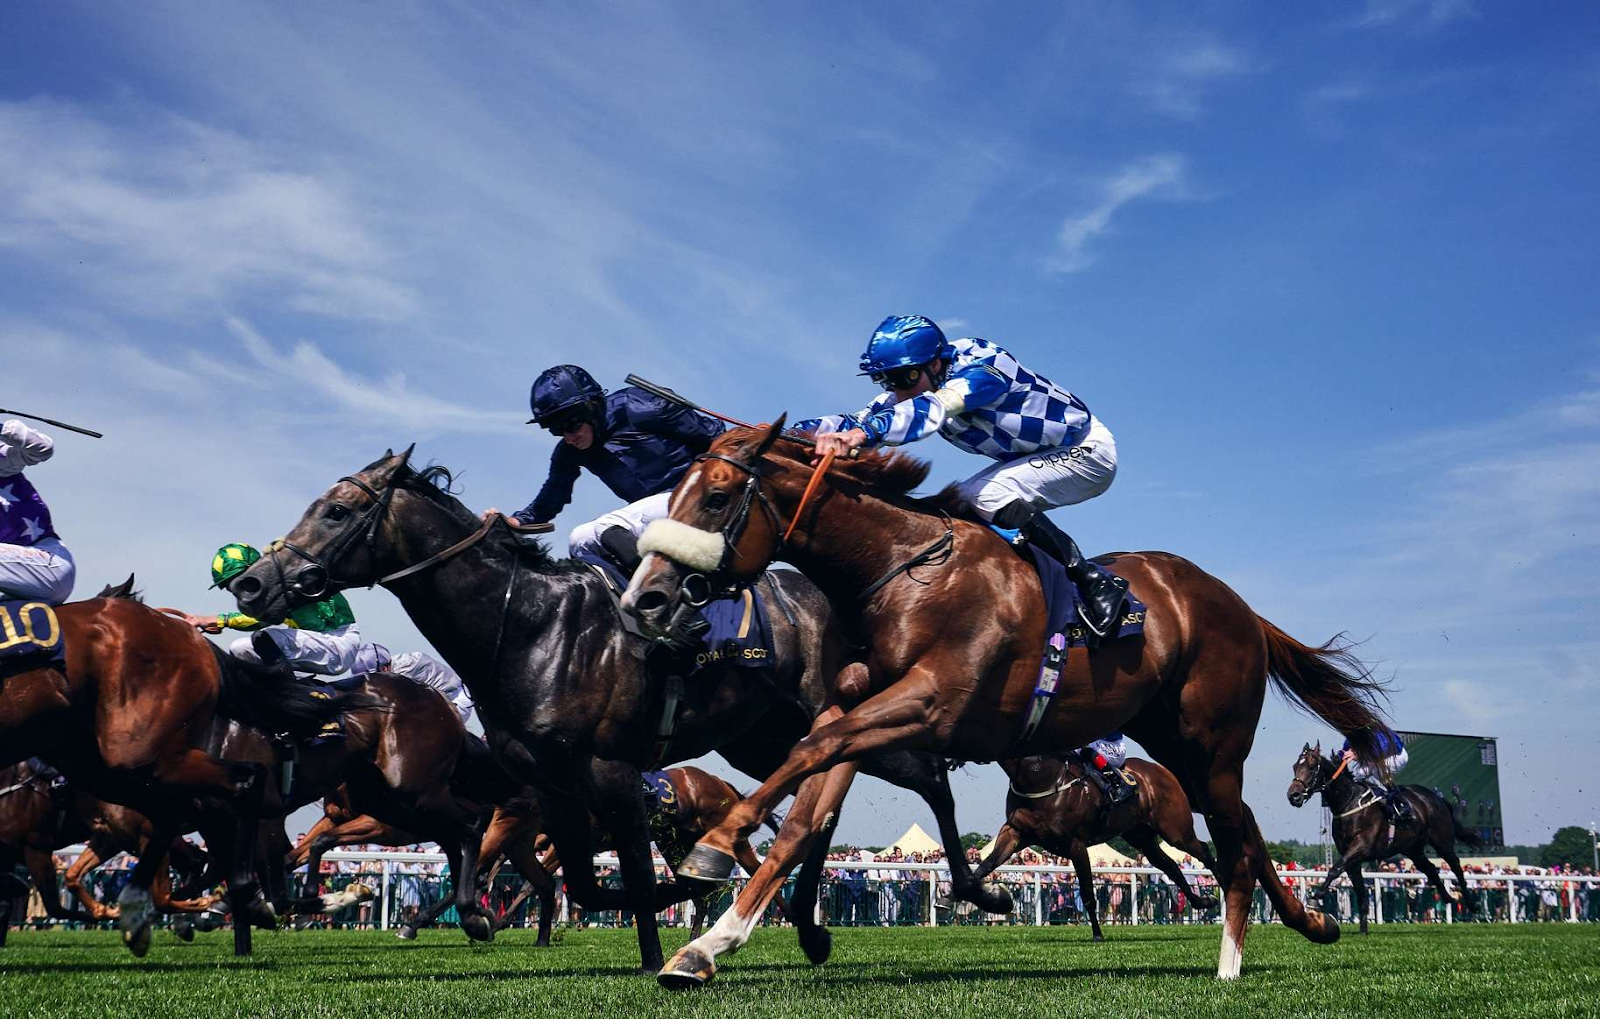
(1310, 774)
(347, 538)
(721, 531)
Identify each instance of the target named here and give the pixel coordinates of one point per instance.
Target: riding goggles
(898, 378)
(566, 424)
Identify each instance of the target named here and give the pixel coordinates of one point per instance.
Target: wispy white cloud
(1425, 15)
(1160, 177)
(171, 215)
(1179, 78)
(389, 400)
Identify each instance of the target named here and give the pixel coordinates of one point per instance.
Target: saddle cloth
(1061, 600)
(30, 638)
(740, 634)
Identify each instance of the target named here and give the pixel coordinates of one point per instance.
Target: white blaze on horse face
(687, 484)
(685, 545)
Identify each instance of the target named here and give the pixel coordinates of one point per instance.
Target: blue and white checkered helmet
(901, 341)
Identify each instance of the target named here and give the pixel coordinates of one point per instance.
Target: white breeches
(1048, 478)
(40, 572)
(327, 654)
(634, 516)
(1361, 773)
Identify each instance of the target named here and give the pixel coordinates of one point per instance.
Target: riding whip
(52, 421)
(684, 401)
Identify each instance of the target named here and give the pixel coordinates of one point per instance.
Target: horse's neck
(857, 540)
(1341, 793)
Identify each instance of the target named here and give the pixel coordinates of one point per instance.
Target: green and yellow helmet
(230, 561)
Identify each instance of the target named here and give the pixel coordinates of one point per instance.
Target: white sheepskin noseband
(689, 546)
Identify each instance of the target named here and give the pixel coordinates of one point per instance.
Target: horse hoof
(477, 928)
(706, 864)
(992, 898)
(138, 941)
(1321, 929)
(259, 914)
(687, 970)
(183, 931)
(817, 943)
(406, 933)
(1098, 938)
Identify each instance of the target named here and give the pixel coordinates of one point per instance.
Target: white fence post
(383, 914)
(1133, 900)
(1038, 899)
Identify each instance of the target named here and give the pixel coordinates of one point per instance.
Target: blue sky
(1328, 275)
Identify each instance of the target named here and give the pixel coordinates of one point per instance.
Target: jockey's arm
(890, 423)
(21, 447)
(557, 490)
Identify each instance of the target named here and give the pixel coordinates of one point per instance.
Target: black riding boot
(620, 546)
(1108, 780)
(1103, 592)
(1398, 806)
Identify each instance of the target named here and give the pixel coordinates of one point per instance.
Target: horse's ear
(773, 431)
(1319, 748)
(405, 457)
(1306, 747)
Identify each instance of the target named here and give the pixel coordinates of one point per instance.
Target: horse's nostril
(246, 587)
(651, 601)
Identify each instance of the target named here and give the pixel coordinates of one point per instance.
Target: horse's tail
(1463, 834)
(271, 698)
(1329, 682)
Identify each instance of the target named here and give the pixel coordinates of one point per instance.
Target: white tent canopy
(915, 840)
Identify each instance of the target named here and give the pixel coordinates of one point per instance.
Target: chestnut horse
(1050, 803)
(1361, 829)
(954, 622)
(563, 691)
(122, 722)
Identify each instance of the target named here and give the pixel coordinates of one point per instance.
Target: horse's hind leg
(72, 880)
(1419, 856)
(1468, 899)
(1080, 864)
(1143, 838)
(815, 939)
(1359, 891)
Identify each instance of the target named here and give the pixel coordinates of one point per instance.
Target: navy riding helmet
(561, 388)
(901, 341)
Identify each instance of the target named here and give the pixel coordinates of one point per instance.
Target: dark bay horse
(1362, 832)
(563, 691)
(954, 623)
(1050, 803)
(398, 762)
(123, 721)
(38, 817)
(700, 800)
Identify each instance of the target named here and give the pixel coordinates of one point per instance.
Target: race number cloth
(30, 637)
(659, 794)
(740, 634)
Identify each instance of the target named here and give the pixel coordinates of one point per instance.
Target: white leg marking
(1232, 956)
(352, 895)
(728, 934)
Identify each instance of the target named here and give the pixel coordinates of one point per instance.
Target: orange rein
(1338, 771)
(811, 486)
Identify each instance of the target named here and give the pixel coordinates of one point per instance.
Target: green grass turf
(1461, 970)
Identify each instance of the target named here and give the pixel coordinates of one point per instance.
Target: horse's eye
(337, 511)
(717, 501)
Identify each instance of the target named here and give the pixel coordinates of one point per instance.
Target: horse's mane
(890, 473)
(436, 482)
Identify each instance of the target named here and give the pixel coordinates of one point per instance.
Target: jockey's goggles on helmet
(899, 378)
(566, 424)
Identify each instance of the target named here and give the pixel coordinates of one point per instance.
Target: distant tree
(974, 840)
(1571, 846)
(1124, 847)
(1281, 852)
(766, 847)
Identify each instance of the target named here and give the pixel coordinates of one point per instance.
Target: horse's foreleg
(42, 868)
(523, 852)
(1081, 867)
(301, 854)
(1143, 838)
(91, 857)
(933, 785)
(818, 797)
(815, 940)
(1467, 899)
(892, 720)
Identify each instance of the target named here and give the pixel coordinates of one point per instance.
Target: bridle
(700, 588)
(1324, 778)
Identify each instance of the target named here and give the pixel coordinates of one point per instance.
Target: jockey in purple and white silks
(1049, 449)
(34, 564)
(1103, 760)
(1395, 757)
(419, 668)
(636, 443)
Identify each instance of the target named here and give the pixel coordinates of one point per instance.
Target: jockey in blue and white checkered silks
(1049, 449)
(34, 564)
(1381, 781)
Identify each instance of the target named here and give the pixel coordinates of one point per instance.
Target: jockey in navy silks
(34, 564)
(1394, 758)
(638, 444)
(1049, 449)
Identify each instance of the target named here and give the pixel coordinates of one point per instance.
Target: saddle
(30, 638)
(737, 631)
(1065, 631)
